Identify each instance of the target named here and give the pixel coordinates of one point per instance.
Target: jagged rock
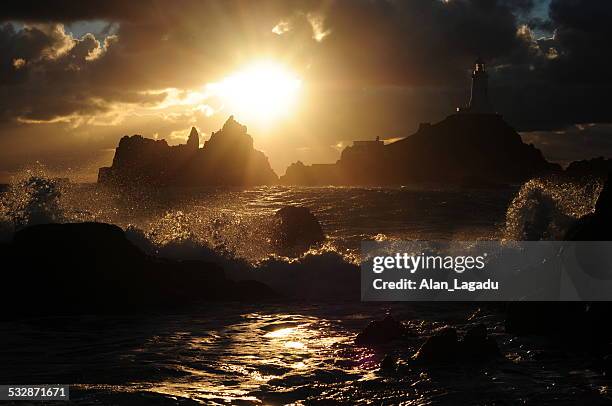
(193, 142)
(381, 332)
(94, 268)
(296, 229)
(460, 147)
(228, 158)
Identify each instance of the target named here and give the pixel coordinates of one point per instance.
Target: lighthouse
(479, 98)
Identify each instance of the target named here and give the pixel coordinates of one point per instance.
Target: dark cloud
(49, 74)
(418, 43)
(72, 10)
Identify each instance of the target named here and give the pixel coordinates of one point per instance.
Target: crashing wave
(31, 199)
(545, 208)
(321, 273)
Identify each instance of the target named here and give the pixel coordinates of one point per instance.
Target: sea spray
(33, 200)
(544, 208)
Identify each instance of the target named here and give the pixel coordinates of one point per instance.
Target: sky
(306, 77)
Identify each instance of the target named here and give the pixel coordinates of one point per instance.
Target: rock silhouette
(94, 268)
(584, 324)
(598, 167)
(472, 148)
(388, 364)
(444, 346)
(544, 318)
(477, 345)
(596, 226)
(381, 332)
(461, 149)
(227, 158)
(296, 229)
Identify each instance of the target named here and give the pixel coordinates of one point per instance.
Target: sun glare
(262, 91)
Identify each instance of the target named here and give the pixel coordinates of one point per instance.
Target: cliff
(228, 158)
(462, 148)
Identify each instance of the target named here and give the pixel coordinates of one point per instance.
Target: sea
(301, 352)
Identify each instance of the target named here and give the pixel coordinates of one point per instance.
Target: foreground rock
(596, 226)
(562, 319)
(381, 332)
(296, 229)
(388, 364)
(444, 346)
(228, 158)
(94, 268)
(585, 326)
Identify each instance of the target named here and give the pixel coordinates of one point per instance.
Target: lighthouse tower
(479, 99)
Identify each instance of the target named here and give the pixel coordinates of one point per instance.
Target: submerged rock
(477, 345)
(380, 332)
(94, 268)
(388, 364)
(584, 326)
(540, 318)
(296, 229)
(444, 346)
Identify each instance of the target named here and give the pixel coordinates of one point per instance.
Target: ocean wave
(545, 208)
(29, 201)
(320, 273)
(240, 244)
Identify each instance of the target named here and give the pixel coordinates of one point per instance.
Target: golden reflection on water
(280, 333)
(231, 363)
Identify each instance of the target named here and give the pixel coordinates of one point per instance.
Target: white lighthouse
(479, 98)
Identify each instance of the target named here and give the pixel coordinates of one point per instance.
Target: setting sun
(261, 91)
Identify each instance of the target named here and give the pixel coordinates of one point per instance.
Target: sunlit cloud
(19, 63)
(317, 22)
(101, 48)
(53, 120)
(62, 42)
(281, 28)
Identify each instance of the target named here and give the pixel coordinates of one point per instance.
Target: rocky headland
(464, 148)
